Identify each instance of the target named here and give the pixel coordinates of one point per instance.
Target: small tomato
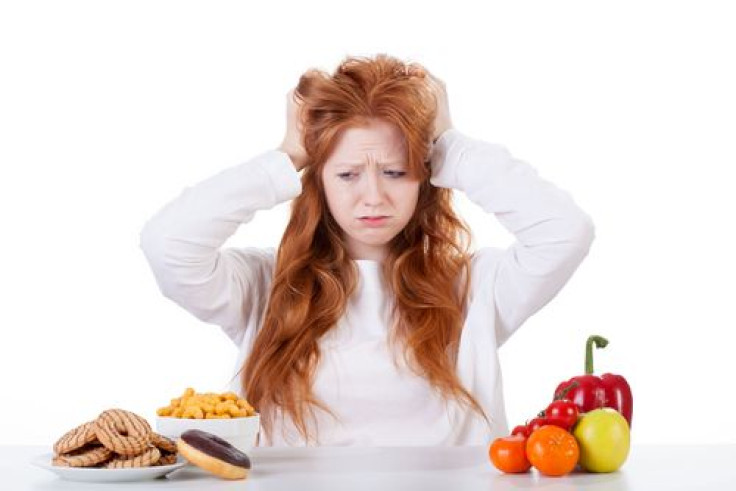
(562, 413)
(522, 430)
(508, 454)
(536, 423)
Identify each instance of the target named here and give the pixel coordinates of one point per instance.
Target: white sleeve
(182, 242)
(553, 235)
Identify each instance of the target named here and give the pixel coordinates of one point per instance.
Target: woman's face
(367, 176)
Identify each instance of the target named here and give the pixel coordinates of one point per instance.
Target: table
(649, 467)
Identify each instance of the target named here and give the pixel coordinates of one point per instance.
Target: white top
(377, 402)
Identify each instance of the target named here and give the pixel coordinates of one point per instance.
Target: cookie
(148, 458)
(123, 432)
(75, 438)
(86, 456)
(167, 459)
(163, 443)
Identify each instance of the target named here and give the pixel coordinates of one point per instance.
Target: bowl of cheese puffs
(225, 414)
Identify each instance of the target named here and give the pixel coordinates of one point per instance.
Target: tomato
(508, 454)
(535, 424)
(552, 450)
(522, 430)
(562, 413)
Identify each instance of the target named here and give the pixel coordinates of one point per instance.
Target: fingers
(293, 116)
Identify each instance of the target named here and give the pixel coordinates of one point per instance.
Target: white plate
(105, 475)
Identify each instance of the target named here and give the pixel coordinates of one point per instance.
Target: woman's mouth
(374, 221)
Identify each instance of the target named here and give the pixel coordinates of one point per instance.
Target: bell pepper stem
(600, 342)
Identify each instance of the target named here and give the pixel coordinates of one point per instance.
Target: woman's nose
(373, 190)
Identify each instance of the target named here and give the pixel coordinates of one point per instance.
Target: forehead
(380, 140)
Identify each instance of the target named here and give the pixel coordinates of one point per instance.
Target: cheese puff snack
(208, 405)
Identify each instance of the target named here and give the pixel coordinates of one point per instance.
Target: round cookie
(123, 432)
(213, 454)
(163, 443)
(75, 438)
(83, 457)
(167, 448)
(148, 458)
(167, 459)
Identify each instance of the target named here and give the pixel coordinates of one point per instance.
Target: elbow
(152, 242)
(586, 231)
(582, 235)
(147, 240)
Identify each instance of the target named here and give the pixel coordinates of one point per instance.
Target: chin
(374, 241)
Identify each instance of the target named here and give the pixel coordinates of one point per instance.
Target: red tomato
(508, 454)
(562, 413)
(522, 430)
(536, 423)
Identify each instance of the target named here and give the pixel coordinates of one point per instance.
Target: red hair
(427, 267)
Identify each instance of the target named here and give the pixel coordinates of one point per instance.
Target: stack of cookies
(117, 439)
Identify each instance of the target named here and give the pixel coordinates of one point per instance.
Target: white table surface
(651, 468)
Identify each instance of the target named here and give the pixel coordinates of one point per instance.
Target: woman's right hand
(443, 120)
(292, 142)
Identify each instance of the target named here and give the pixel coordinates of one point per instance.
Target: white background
(108, 110)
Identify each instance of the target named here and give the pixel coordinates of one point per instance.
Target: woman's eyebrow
(360, 165)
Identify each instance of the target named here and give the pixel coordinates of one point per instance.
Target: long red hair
(427, 267)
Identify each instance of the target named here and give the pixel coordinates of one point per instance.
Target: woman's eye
(395, 174)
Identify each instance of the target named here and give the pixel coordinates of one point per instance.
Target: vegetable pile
(587, 424)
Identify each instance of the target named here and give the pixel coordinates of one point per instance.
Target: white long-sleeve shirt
(377, 401)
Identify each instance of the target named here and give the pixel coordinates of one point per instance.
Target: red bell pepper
(590, 392)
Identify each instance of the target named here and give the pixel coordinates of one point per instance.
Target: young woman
(372, 323)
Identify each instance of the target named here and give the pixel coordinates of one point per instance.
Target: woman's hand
(442, 121)
(292, 143)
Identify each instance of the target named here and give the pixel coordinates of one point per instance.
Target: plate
(105, 475)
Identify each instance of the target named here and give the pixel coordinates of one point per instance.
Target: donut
(213, 454)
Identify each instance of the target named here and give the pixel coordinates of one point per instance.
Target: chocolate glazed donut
(213, 454)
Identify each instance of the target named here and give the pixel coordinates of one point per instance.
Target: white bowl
(242, 433)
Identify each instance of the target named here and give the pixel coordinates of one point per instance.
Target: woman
(371, 324)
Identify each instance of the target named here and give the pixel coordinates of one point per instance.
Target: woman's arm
(553, 235)
(182, 242)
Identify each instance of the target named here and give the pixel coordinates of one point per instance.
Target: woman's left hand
(442, 121)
